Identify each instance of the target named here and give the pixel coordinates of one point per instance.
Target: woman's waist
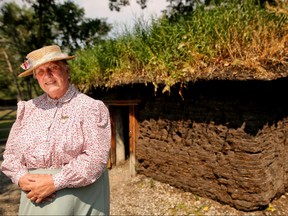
(44, 171)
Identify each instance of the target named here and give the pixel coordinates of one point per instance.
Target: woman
(58, 148)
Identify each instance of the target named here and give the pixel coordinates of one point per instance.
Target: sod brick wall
(225, 140)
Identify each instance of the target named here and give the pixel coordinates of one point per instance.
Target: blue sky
(127, 16)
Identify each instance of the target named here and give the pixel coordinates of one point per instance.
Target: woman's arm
(11, 165)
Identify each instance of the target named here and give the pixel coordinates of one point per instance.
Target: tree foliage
(177, 8)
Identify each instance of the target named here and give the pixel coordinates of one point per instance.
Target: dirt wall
(225, 140)
(214, 161)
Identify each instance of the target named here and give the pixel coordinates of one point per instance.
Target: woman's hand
(25, 183)
(46, 199)
(39, 187)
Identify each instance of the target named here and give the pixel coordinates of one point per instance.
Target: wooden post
(133, 125)
(112, 161)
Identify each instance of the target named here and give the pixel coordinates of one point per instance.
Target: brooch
(64, 119)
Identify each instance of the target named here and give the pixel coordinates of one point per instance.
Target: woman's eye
(54, 68)
(40, 73)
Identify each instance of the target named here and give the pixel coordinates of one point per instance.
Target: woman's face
(53, 78)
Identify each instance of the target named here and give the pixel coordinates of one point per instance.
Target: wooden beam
(121, 102)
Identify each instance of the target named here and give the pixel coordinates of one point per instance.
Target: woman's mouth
(50, 83)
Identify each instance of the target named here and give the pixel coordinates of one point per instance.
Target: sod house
(223, 136)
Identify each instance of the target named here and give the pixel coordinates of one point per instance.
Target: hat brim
(30, 70)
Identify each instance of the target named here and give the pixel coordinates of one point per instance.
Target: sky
(127, 15)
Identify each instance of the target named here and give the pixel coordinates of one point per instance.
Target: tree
(16, 36)
(75, 31)
(177, 7)
(65, 24)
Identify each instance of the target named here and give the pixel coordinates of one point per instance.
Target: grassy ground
(6, 123)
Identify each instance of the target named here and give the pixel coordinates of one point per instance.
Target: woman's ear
(68, 72)
(67, 69)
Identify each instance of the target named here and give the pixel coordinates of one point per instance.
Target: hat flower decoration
(26, 65)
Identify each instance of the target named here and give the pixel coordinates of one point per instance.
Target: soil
(140, 195)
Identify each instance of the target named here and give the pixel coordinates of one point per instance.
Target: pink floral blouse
(72, 133)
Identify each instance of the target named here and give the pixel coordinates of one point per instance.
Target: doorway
(124, 125)
(120, 132)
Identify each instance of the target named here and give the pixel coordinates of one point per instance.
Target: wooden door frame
(133, 130)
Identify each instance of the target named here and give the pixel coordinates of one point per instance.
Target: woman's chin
(54, 92)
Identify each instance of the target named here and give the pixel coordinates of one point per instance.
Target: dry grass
(226, 42)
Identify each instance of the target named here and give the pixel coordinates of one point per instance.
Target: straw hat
(41, 56)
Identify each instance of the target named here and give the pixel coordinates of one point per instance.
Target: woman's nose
(48, 72)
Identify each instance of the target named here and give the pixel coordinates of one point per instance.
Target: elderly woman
(58, 147)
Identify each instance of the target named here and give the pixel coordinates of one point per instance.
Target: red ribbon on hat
(26, 65)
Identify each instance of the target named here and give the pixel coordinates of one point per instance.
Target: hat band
(48, 57)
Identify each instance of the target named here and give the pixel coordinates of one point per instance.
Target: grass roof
(227, 42)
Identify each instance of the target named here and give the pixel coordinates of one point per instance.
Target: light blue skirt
(93, 199)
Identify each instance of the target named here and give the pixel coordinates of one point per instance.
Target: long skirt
(93, 199)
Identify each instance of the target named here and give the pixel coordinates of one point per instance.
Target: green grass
(169, 52)
(5, 125)
(9, 114)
